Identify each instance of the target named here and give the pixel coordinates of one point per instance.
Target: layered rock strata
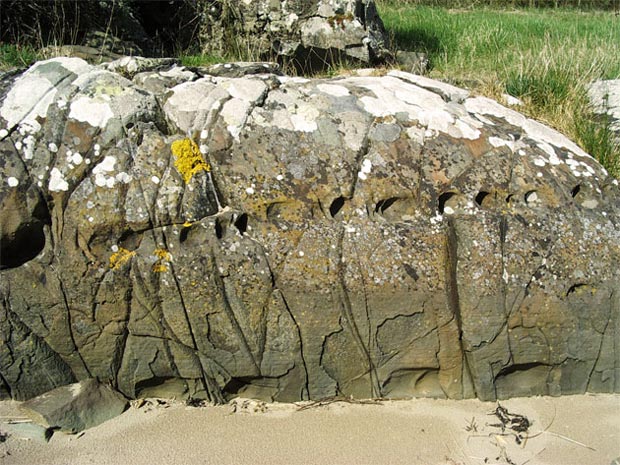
(288, 238)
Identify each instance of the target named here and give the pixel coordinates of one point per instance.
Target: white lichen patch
(101, 171)
(365, 169)
(248, 90)
(57, 182)
(499, 142)
(235, 113)
(28, 99)
(92, 111)
(194, 103)
(416, 134)
(534, 130)
(52, 147)
(155, 180)
(452, 93)
(12, 181)
(3, 133)
(305, 118)
(464, 126)
(393, 96)
(334, 90)
(76, 158)
(29, 144)
(106, 165)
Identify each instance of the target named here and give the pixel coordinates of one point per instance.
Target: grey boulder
(309, 34)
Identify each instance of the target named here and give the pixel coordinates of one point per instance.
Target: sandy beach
(572, 430)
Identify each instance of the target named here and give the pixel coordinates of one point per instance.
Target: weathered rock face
(287, 238)
(309, 34)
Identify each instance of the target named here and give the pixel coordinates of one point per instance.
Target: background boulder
(310, 35)
(289, 238)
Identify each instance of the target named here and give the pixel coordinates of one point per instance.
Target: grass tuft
(17, 56)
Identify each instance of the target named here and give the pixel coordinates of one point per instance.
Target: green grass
(200, 60)
(546, 57)
(15, 56)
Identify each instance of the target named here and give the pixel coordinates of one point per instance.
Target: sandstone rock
(75, 407)
(309, 34)
(291, 238)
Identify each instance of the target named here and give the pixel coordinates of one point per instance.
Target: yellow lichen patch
(187, 224)
(163, 258)
(189, 160)
(119, 258)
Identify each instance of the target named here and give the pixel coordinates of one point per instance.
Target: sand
(571, 430)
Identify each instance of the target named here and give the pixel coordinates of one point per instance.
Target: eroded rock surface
(287, 238)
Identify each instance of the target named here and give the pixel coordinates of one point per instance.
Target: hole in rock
(241, 223)
(256, 388)
(336, 206)
(441, 203)
(480, 197)
(575, 190)
(183, 234)
(219, 229)
(130, 240)
(383, 205)
(525, 379)
(411, 271)
(27, 242)
(161, 386)
(574, 288)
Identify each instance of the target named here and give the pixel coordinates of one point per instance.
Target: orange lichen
(163, 258)
(119, 258)
(189, 160)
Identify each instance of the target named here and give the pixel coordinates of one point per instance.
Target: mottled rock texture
(310, 34)
(286, 238)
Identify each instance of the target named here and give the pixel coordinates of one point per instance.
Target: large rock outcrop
(288, 238)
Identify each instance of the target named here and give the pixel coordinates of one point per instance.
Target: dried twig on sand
(334, 399)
